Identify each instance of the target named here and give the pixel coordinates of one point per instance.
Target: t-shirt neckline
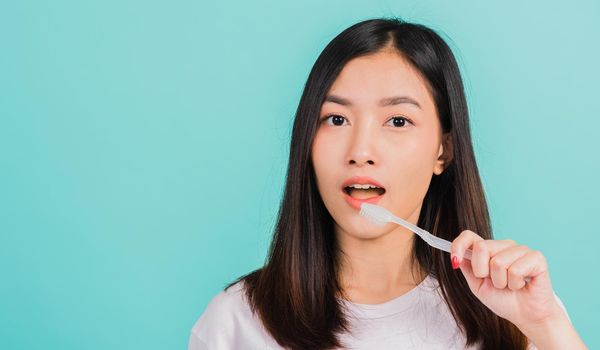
(393, 306)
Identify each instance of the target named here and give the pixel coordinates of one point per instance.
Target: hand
(496, 276)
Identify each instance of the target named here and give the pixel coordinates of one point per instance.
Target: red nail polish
(455, 262)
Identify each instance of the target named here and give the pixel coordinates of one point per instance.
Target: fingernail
(455, 262)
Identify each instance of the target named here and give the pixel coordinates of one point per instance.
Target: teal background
(143, 150)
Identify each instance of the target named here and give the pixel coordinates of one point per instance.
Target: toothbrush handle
(444, 245)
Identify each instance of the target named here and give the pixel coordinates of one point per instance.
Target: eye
(336, 119)
(400, 121)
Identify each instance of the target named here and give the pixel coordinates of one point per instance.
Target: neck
(376, 270)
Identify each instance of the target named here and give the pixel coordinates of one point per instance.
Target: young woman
(384, 106)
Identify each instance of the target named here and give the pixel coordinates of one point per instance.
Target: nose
(362, 150)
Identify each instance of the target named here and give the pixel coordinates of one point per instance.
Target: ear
(445, 154)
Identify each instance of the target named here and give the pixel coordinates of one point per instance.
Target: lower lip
(356, 202)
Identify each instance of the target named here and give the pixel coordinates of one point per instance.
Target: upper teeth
(364, 187)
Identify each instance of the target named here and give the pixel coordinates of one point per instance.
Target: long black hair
(295, 292)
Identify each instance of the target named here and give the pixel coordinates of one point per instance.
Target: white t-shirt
(418, 319)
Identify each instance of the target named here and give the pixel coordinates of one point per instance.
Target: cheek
(412, 172)
(416, 155)
(322, 157)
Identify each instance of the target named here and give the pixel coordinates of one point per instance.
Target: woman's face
(399, 145)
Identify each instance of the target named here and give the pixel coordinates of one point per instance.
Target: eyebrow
(388, 101)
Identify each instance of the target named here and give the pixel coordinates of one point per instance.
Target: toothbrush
(380, 216)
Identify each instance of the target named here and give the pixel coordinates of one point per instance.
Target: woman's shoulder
(220, 312)
(228, 323)
(226, 303)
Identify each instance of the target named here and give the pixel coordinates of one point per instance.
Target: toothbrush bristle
(378, 215)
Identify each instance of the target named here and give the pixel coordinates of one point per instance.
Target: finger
(473, 281)
(483, 251)
(532, 264)
(501, 261)
(461, 243)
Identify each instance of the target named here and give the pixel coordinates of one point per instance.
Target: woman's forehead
(367, 80)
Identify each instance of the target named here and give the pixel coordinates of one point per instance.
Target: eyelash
(337, 115)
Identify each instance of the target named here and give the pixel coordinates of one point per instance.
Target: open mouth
(360, 193)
